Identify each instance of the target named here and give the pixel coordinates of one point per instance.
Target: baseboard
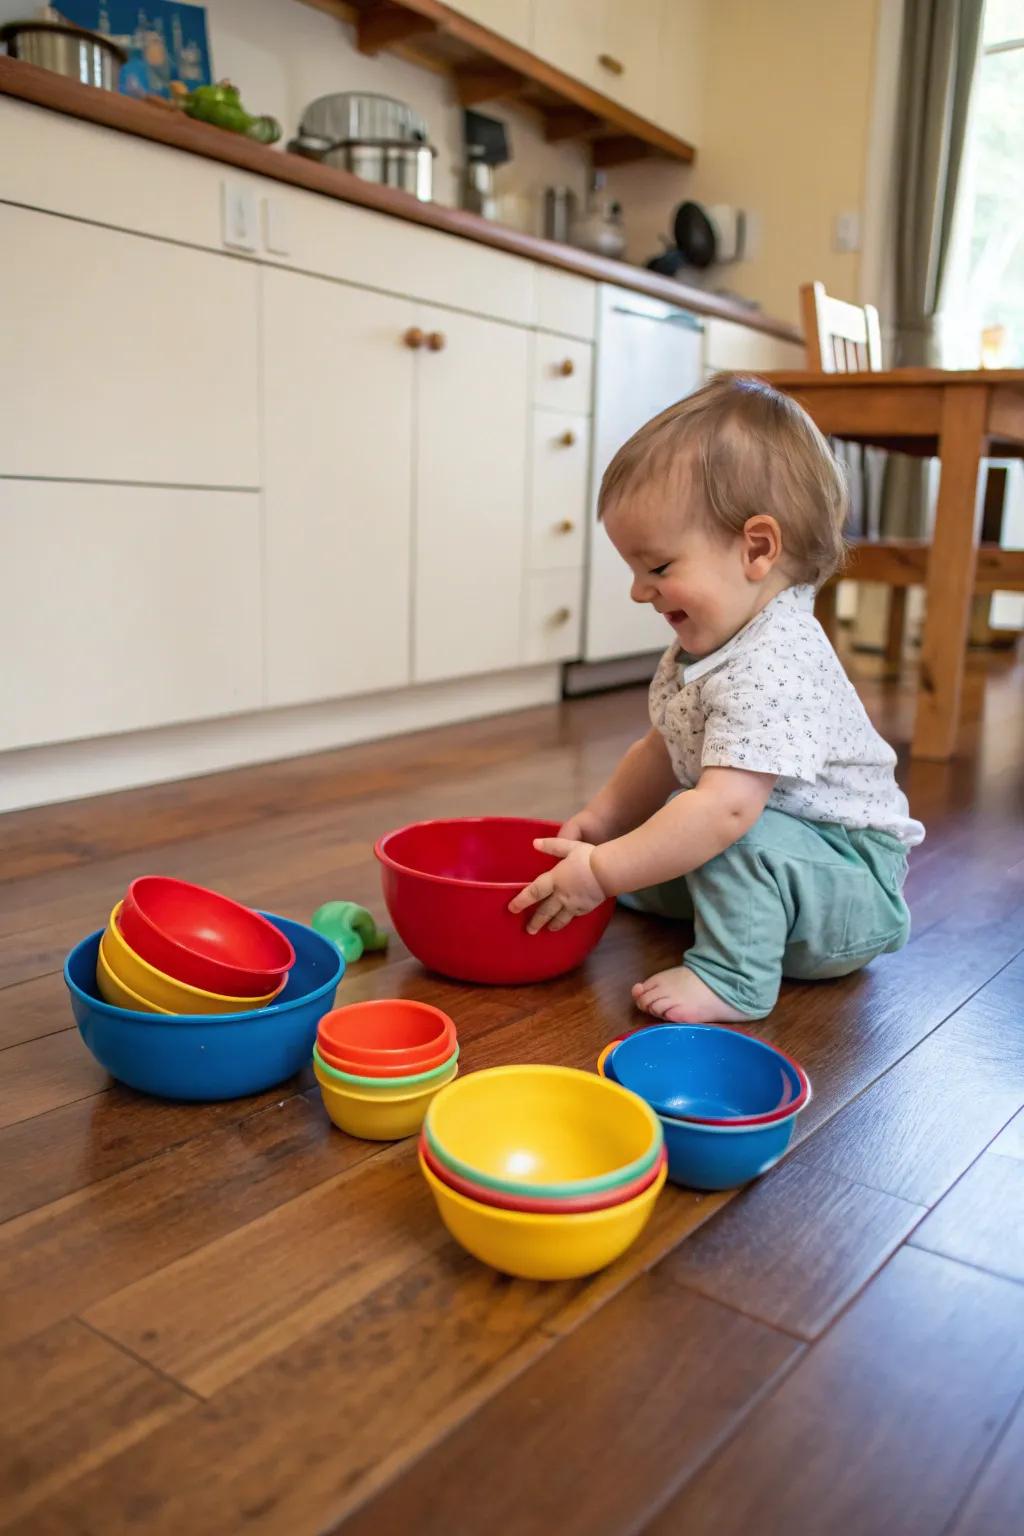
(596, 676)
(73, 770)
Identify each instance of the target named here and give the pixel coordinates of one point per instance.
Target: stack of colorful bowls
(727, 1102)
(379, 1064)
(542, 1172)
(205, 1054)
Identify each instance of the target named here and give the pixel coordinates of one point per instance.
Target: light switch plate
(240, 212)
(275, 226)
(846, 231)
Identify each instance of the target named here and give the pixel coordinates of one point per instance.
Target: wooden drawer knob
(612, 65)
(565, 526)
(437, 341)
(414, 337)
(567, 438)
(567, 367)
(561, 616)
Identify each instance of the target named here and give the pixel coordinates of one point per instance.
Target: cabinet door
(124, 358)
(681, 68)
(508, 18)
(126, 607)
(338, 473)
(471, 434)
(610, 45)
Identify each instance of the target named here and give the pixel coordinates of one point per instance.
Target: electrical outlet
(241, 231)
(846, 231)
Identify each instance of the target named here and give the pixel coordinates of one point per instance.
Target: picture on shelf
(165, 41)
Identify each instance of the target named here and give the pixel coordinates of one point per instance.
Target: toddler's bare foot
(679, 996)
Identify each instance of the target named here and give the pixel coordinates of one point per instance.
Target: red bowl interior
(387, 1031)
(447, 885)
(389, 1069)
(203, 938)
(540, 1205)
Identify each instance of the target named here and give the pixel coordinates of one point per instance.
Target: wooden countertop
(165, 126)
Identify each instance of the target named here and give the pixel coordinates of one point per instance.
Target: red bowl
(202, 938)
(447, 886)
(390, 1031)
(540, 1205)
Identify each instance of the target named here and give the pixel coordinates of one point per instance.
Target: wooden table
(962, 417)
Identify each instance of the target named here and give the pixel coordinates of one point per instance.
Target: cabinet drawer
(561, 374)
(125, 358)
(732, 347)
(566, 304)
(126, 607)
(551, 626)
(561, 478)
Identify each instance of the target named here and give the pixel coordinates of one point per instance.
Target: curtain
(938, 59)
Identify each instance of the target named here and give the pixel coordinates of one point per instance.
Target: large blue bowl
(206, 1056)
(717, 1157)
(705, 1073)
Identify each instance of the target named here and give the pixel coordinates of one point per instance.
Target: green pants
(804, 899)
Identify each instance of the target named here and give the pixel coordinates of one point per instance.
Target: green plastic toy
(350, 927)
(221, 105)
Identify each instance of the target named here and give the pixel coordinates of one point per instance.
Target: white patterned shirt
(775, 699)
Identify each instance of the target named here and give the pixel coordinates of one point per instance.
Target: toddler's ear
(762, 545)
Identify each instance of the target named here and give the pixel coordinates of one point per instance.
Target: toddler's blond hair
(748, 449)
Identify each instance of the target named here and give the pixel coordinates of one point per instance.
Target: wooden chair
(846, 338)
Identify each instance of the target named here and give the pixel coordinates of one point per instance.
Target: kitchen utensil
(541, 1205)
(372, 1117)
(537, 1130)
(559, 213)
(447, 885)
(369, 1082)
(88, 57)
(599, 228)
(406, 165)
(202, 938)
(164, 993)
(352, 115)
(387, 1031)
(699, 1073)
(224, 1056)
(694, 235)
(723, 1156)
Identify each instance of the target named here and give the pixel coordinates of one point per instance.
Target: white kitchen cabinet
(682, 68)
(562, 373)
(470, 495)
(125, 358)
(558, 492)
(729, 347)
(551, 622)
(508, 18)
(610, 45)
(338, 392)
(126, 607)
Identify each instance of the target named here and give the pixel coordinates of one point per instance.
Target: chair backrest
(839, 337)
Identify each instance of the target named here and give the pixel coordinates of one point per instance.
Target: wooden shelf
(486, 67)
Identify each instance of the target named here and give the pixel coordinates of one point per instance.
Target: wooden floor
(232, 1317)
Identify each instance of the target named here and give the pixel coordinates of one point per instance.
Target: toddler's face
(696, 578)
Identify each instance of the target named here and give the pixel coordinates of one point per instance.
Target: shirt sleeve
(766, 715)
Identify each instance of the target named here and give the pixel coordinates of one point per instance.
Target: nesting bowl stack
(379, 1065)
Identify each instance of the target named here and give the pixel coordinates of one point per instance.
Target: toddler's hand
(567, 891)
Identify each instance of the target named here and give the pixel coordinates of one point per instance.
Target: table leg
(895, 632)
(951, 565)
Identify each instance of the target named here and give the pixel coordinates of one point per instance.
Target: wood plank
(1010, 1143)
(305, 1263)
(537, 1458)
(794, 1248)
(45, 1074)
(34, 1009)
(88, 1141)
(289, 1447)
(918, 1127)
(69, 1401)
(865, 1435)
(981, 1220)
(994, 1505)
(71, 1254)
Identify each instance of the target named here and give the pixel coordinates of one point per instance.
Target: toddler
(787, 846)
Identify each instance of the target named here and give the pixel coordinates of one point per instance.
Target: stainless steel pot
(361, 115)
(409, 166)
(87, 57)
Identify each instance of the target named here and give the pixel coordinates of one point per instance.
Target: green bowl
(414, 1081)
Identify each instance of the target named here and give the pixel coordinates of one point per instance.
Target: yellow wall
(784, 133)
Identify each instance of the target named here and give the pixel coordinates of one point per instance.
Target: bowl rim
(388, 859)
(119, 942)
(391, 1055)
(537, 1205)
(539, 1221)
(132, 899)
(593, 1184)
(784, 1112)
(180, 1020)
(419, 1078)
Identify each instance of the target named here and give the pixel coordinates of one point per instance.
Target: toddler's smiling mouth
(675, 617)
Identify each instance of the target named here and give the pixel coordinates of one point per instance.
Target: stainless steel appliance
(559, 213)
(372, 136)
(487, 146)
(87, 57)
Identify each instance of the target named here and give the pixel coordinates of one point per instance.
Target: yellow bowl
(543, 1130)
(159, 992)
(113, 990)
(372, 1118)
(398, 1089)
(543, 1247)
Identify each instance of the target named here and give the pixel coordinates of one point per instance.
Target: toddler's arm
(685, 833)
(641, 783)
